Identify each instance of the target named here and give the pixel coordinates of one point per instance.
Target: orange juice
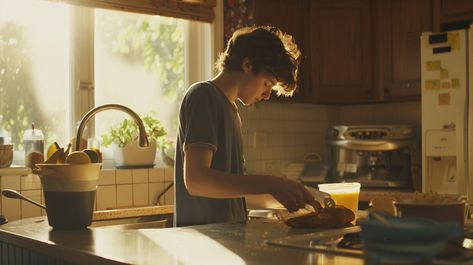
(345, 194)
(349, 200)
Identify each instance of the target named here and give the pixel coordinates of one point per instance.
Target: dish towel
(407, 240)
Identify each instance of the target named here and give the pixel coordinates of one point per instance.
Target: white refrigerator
(447, 112)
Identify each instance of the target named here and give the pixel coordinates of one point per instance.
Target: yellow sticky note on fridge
(455, 83)
(446, 85)
(454, 40)
(432, 84)
(428, 66)
(444, 99)
(443, 73)
(436, 65)
(428, 85)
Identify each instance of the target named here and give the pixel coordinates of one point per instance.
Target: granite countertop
(225, 243)
(132, 212)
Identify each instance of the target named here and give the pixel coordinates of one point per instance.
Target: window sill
(15, 170)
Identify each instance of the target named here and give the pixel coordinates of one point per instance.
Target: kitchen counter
(132, 212)
(366, 195)
(226, 243)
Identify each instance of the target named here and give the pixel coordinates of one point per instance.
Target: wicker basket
(6, 155)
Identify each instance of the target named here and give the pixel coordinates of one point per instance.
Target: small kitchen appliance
(373, 155)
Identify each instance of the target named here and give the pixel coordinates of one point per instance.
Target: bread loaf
(330, 217)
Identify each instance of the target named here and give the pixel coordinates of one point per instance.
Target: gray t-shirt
(207, 117)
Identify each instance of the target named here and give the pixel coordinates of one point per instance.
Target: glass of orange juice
(345, 194)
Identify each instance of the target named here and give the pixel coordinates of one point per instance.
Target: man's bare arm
(201, 180)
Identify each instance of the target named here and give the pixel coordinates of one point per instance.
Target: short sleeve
(199, 119)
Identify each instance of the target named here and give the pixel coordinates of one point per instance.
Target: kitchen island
(32, 241)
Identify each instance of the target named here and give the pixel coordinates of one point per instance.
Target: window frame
(199, 52)
(203, 43)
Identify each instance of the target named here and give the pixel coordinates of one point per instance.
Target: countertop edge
(132, 212)
(67, 254)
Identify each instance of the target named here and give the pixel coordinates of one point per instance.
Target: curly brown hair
(270, 51)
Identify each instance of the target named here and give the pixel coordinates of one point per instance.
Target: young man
(210, 184)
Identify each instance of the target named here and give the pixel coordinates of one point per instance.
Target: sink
(143, 225)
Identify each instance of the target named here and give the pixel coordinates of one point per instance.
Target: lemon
(52, 149)
(77, 157)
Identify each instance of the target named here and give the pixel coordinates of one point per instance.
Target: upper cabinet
(451, 11)
(291, 18)
(399, 24)
(360, 51)
(340, 51)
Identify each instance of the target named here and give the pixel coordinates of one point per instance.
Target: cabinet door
(291, 17)
(455, 10)
(340, 51)
(401, 24)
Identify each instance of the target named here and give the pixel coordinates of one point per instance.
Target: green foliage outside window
(127, 131)
(159, 42)
(18, 103)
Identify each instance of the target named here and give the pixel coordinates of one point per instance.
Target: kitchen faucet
(143, 138)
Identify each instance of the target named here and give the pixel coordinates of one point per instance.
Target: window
(34, 69)
(58, 61)
(139, 63)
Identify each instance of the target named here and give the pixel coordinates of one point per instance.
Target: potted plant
(124, 140)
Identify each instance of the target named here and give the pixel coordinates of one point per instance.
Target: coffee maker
(377, 156)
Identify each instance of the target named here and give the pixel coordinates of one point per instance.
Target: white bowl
(6, 155)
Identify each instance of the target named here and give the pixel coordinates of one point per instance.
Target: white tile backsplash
(156, 175)
(124, 195)
(154, 189)
(116, 189)
(11, 208)
(106, 197)
(169, 195)
(30, 182)
(169, 174)
(297, 129)
(124, 176)
(140, 194)
(11, 182)
(28, 209)
(107, 177)
(140, 175)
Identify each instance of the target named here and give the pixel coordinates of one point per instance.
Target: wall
(392, 113)
(286, 132)
(276, 134)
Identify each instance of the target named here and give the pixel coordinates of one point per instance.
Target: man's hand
(292, 194)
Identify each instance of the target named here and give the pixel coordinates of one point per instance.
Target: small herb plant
(127, 131)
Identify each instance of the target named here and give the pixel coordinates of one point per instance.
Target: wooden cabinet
(291, 18)
(340, 51)
(399, 24)
(357, 51)
(451, 11)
